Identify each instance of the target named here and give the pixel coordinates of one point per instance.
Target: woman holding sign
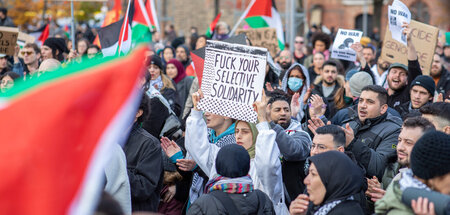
(258, 140)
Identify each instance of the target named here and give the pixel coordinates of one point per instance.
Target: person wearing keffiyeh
(233, 165)
(261, 148)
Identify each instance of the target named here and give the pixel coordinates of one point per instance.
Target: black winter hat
(430, 156)
(426, 82)
(233, 161)
(56, 44)
(155, 59)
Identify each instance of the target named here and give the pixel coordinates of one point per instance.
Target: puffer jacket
(375, 141)
(246, 204)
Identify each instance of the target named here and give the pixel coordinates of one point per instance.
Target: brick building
(331, 13)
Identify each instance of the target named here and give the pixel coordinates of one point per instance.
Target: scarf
(408, 180)
(230, 185)
(157, 83)
(212, 134)
(254, 130)
(325, 209)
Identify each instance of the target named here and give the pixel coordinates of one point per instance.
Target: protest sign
(398, 14)
(233, 79)
(423, 36)
(262, 37)
(24, 38)
(8, 40)
(341, 45)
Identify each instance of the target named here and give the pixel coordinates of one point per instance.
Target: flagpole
(73, 25)
(241, 18)
(154, 14)
(124, 24)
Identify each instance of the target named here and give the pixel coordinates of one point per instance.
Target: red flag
(45, 33)
(210, 31)
(54, 152)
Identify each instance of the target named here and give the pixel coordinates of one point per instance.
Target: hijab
(341, 177)
(254, 130)
(181, 72)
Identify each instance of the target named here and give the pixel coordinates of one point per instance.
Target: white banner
(341, 45)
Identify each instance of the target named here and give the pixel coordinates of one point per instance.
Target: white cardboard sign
(233, 79)
(341, 45)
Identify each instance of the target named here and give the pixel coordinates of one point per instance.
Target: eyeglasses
(26, 53)
(300, 42)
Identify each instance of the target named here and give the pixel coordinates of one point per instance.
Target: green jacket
(391, 203)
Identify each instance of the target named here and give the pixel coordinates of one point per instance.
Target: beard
(395, 88)
(329, 83)
(285, 65)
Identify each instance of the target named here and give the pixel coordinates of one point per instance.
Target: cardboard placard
(233, 79)
(341, 45)
(262, 37)
(24, 38)
(423, 36)
(8, 40)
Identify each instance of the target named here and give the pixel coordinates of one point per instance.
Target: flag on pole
(109, 38)
(142, 22)
(212, 26)
(110, 17)
(58, 131)
(263, 13)
(42, 34)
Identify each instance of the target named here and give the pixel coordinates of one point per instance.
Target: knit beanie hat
(155, 59)
(430, 156)
(358, 81)
(56, 44)
(232, 161)
(426, 82)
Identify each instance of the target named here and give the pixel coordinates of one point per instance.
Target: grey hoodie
(293, 142)
(284, 87)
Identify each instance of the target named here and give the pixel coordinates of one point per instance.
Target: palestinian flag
(210, 31)
(142, 22)
(42, 34)
(58, 131)
(263, 13)
(110, 17)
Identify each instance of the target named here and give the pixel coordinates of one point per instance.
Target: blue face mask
(295, 83)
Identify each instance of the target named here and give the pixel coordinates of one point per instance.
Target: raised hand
(196, 98)
(421, 206)
(406, 31)
(315, 123)
(261, 108)
(295, 104)
(374, 190)
(300, 205)
(349, 134)
(317, 107)
(186, 164)
(169, 146)
(269, 87)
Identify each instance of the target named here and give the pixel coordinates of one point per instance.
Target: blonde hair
(167, 83)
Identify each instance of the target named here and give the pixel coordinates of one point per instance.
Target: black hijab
(341, 177)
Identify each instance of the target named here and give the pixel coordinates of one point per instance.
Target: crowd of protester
(333, 136)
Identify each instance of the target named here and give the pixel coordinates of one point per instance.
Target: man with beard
(422, 93)
(293, 142)
(285, 61)
(412, 129)
(328, 85)
(182, 55)
(382, 69)
(440, 76)
(399, 75)
(372, 132)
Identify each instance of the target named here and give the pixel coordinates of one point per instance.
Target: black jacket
(374, 142)
(402, 96)
(443, 85)
(245, 203)
(344, 208)
(145, 169)
(329, 100)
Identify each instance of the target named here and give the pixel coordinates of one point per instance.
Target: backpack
(229, 205)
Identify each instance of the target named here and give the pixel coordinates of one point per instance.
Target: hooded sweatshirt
(306, 83)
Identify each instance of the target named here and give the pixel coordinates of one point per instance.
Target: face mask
(295, 83)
